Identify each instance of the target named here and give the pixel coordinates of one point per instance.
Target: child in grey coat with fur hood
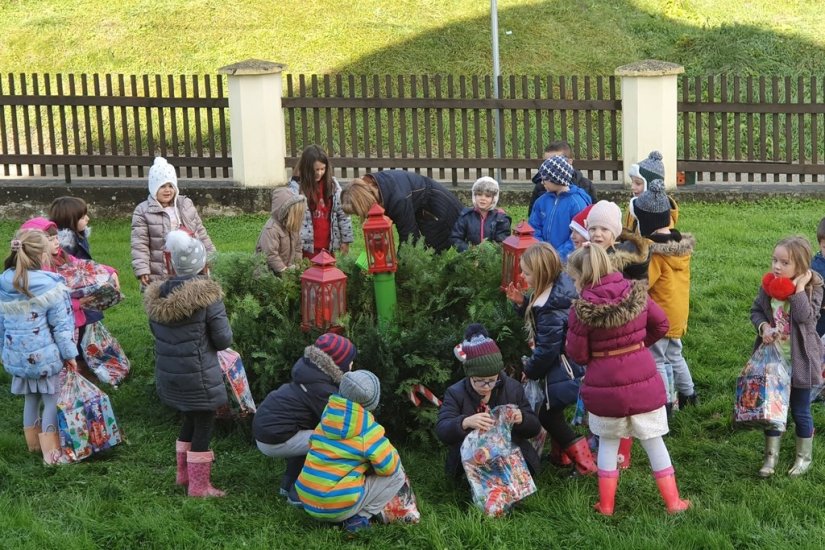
(188, 320)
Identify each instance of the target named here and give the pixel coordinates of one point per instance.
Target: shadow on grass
(588, 37)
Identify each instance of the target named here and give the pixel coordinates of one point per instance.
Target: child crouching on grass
(288, 416)
(188, 321)
(352, 470)
(468, 402)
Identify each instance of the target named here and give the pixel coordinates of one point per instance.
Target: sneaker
(283, 492)
(356, 523)
(293, 500)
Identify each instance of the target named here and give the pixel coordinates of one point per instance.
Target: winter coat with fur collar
(630, 255)
(669, 277)
(188, 320)
(613, 316)
(37, 332)
(298, 404)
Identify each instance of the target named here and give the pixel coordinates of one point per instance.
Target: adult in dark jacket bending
(188, 320)
(467, 403)
(288, 416)
(418, 206)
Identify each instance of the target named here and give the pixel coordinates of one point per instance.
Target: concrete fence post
(256, 123)
(649, 116)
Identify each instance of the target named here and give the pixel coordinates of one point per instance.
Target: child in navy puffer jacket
(288, 416)
(482, 222)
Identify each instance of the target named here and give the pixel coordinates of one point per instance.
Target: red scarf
(778, 288)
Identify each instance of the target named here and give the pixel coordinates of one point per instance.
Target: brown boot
(50, 446)
(31, 433)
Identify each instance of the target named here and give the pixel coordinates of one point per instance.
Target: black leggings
(197, 428)
(556, 425)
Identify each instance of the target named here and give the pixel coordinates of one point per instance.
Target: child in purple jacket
(609, 330)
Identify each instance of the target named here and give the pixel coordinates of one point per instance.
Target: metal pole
(496, 74)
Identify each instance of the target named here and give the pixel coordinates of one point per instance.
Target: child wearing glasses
(468, 402)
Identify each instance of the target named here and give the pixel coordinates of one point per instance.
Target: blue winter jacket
(550, 333)
(552, 215)
(468, 229)
(37, 332)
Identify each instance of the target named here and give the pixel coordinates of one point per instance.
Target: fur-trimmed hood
(624, 254)
(184, 299)
(324, 363)
(68, 237)
(47, 289)
(614, 302)
(682, 245)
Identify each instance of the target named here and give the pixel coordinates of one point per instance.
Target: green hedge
(438, 295)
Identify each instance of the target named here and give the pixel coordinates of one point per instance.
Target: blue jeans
(668, 353)
(801, 413)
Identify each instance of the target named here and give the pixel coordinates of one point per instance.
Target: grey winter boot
(772, 444)
(804, 456)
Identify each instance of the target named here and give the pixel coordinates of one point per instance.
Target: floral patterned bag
(85, 419)
(241, 403)
(104, 355)
(495, 467)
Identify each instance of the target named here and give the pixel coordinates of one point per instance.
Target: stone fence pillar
(649, 96)
(256, 123)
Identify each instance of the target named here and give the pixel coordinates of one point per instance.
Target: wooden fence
(752, 128)
(730, 128)
(112, 125)
(444, 126)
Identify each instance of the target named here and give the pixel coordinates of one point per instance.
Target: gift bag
(104, 355)
(580, 414)
(85, 419)
(240, 403)
(763, 390)
(495, 467)
(93, 281)
(402, 508)
(535, 396)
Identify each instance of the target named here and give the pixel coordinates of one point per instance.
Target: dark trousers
(556, 425)
(197, 428)
(801, 413)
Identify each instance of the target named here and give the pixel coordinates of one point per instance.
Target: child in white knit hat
(163, 211)
(482, 222)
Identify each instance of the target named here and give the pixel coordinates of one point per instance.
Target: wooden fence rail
(730, 127)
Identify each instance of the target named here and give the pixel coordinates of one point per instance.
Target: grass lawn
(410, 36)
(127, 497)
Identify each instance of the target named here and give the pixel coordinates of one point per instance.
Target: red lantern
(380, 241)
(323, 294)
(512, 249)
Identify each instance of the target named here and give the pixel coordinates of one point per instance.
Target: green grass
(127, 497)
(410, 36)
